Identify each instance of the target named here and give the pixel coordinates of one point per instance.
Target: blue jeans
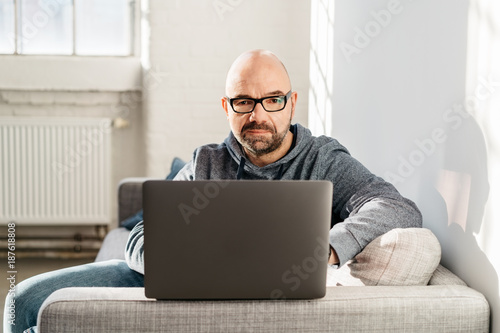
(30, 293)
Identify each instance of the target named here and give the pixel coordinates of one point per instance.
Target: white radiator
(55, 170)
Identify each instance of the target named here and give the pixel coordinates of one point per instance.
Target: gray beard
(259, 145)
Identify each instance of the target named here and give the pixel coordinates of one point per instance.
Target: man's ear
(225, 105)
(293, 99)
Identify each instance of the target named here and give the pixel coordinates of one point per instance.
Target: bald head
(260, 76)
(254, 69)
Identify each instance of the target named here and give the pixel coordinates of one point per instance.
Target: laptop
(236, 239)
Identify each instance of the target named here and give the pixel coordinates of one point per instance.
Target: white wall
(415, 97)
(191, 46)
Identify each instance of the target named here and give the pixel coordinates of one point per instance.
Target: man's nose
(258, 114)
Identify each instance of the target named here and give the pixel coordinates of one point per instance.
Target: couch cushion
(443, 276)
(401, 257)
(177, 165)
(130, 222)
(113, 246)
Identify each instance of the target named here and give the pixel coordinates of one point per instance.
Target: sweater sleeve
(366, 205)
(186, 173)
(134, 250)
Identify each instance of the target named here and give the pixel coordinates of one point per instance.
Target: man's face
(259, 132)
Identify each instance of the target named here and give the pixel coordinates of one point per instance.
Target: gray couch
(353, 303)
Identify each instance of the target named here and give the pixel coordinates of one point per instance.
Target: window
(67, 27)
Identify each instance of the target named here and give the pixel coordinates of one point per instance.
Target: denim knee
(21, 306)
(23, 303)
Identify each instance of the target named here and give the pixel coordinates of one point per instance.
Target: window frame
(75, 72)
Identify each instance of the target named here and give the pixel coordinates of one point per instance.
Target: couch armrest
(355, 309)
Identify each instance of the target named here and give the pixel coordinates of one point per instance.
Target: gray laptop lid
(236, 239)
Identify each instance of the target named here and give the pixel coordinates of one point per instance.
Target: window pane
(45, 27)
(7, 37)
(103, 27)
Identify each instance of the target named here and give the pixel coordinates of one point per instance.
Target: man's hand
(334, 259)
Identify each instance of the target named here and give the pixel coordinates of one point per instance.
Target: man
(259, 105)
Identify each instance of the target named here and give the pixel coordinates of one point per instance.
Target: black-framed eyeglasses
(270, 104)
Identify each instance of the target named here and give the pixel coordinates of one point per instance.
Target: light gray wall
(407, 102)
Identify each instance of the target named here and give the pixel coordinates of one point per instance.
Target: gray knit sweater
(364, 206)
